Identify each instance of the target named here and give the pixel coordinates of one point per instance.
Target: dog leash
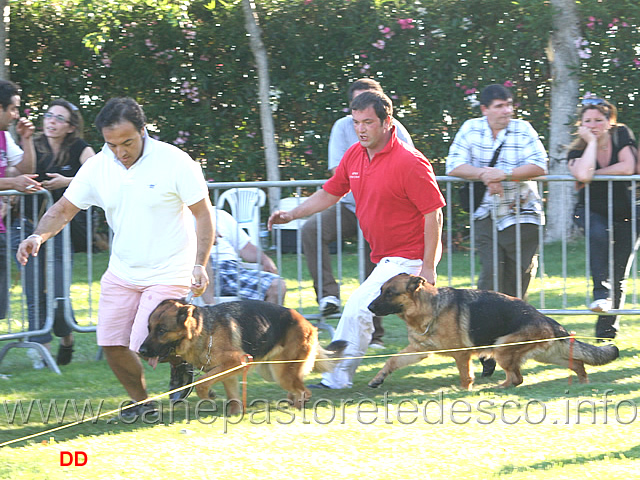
(189, 298)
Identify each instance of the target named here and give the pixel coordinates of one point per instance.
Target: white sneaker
(376, 346)
(603, 305)
(329, 305)
(36, 358)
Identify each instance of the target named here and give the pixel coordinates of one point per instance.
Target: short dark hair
(364, 84)
(381, 104)
(118, 110)
(8, 90)
(494, 92)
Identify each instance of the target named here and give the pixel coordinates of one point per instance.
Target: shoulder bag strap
(494, 160)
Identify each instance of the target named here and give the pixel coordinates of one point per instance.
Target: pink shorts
(124, 309)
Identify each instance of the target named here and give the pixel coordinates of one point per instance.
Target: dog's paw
(375, 383)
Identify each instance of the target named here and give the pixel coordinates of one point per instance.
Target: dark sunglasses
(593, 101)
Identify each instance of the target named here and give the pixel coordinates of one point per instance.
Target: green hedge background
(189, 64)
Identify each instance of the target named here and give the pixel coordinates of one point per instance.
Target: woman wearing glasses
(605, 147)
(60, 151)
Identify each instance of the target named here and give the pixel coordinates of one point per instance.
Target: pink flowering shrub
(189, 64)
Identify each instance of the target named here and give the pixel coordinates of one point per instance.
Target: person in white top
(233, 246)
(149, 191)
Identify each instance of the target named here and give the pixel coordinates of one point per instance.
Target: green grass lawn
(419, 424)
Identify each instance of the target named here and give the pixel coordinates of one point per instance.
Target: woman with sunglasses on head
(605, 147)
(60, 151)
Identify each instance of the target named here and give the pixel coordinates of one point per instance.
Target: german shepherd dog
(215, 338)
(450, 318)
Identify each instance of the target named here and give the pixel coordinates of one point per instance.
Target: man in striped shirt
(510, 199)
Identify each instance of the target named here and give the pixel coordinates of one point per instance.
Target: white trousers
(356, 323)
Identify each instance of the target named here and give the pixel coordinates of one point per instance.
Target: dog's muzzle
(382, 308)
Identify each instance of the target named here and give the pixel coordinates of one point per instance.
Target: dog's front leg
(463, 362)
(400, 361)
(202, 389)
(234, 403)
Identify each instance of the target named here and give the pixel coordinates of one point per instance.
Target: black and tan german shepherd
(450, 318)
(215, 338)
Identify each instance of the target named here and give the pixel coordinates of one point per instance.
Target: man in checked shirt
(521, 157)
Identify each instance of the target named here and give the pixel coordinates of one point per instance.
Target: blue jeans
(624, 249)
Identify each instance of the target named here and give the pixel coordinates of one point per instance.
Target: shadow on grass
(633, 452)
(75, 425)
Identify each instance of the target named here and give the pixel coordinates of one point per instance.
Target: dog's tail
(324, 362)
(560, 351)
(594, 355)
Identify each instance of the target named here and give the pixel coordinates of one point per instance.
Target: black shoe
(132, 414)
(65, 352)
(319, 385)
(606, 335)
(606, 328)
(329, 305)
(181, 375)
(488, 366)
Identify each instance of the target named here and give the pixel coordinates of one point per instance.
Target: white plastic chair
(288, 231)
(245, 206)
(289, 203)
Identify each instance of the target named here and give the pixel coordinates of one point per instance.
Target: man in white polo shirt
(149, 191)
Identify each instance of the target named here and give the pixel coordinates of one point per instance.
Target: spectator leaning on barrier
(16, 169)
(399, 206)
(233, 246)
(520, 158)
(605, 147)
(147, 189)
(60, 152)
(343, 136)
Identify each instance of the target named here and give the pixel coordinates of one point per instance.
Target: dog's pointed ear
(415, 282)
(184, 312)
(186, 317)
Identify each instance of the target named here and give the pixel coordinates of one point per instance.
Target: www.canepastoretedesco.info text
(435, 410)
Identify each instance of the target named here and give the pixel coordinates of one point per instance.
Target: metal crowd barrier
(539, 285)
(551, 280)
(540, 289)
(14, 327)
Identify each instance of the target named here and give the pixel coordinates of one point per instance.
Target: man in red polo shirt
(398, 204)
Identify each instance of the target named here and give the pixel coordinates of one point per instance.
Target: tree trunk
(4, 28)
(565, 63)
(266, 120)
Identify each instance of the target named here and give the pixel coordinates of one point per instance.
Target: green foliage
(189, 64)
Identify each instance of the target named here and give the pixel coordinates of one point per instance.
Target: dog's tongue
(153, 361)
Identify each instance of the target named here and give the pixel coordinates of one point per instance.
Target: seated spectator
(232, 247)
(605, 147)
